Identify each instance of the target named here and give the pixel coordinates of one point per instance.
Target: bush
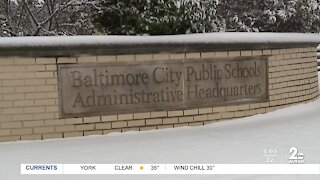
(159, 16)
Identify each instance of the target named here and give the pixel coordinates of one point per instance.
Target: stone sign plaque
(114, 88)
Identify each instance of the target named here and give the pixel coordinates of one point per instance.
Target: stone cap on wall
(110, 44)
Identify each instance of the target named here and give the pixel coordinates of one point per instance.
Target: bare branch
(8, 7)
(48, 17)
(94, 4)
(57, 11)
(11, 27)
(67, 24)
(10, 31)
(48, 4)
(40, 25)
(35, 21)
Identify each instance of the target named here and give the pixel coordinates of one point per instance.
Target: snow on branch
(45, 17)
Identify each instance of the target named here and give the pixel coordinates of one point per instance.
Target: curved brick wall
(29, 105)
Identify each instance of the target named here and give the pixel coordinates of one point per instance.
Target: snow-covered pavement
(234, 141)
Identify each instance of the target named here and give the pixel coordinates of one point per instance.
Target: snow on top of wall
(207, 38)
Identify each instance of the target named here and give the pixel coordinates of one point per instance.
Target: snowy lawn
(234, 141)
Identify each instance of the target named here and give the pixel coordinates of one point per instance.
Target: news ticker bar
(170, 169)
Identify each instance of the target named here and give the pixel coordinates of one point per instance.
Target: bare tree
(47, 17)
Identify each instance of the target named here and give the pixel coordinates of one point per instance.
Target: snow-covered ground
(234, 141)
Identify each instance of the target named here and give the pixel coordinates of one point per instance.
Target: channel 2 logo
(295, 156)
